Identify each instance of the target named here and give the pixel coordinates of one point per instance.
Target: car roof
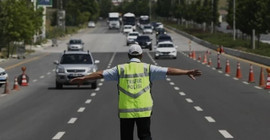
(133, 32)
(166, 42)
(163, 35)
(144, 36)
(76, 52)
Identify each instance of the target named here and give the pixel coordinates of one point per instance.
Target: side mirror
(97, 61)
(56, 62)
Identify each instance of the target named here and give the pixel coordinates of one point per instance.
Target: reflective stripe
(136, 95)
(123, 75)
(135, 110)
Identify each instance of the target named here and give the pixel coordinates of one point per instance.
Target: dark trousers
(143, 128)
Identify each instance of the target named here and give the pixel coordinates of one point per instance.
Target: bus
(129, 19)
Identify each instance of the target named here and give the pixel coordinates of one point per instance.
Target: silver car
(75, 64)
(75, 45)
(3, 76)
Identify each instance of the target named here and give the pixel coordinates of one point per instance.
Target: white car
(166, 49)
(91, 24)
(127, 29)
(147, 29)
(3, 76)
(131, 37)
(75, 45)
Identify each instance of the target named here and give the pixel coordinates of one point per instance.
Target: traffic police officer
(134, 87)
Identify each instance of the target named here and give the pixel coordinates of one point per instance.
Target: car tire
(1, 85)
(150, 48)
(156, 57)
(58, 85)
(94, 85)
(174, 57)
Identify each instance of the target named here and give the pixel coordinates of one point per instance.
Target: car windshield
(133, 34)
(167, 38)
(143, 38)
(75, 42)
(147, 27)
(127, 27)
(76, 59)
(165, 46)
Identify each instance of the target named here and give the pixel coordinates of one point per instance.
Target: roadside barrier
(228, 68)
(218, 62)
(6, 90)
(238, 71)
(262, 81)
(16, 85)
(251, 74)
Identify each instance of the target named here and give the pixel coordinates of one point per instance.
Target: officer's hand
(78, 80)
(193, 73)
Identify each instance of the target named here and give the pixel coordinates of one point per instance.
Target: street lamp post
(234, 20)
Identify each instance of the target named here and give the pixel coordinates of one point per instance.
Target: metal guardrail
(241, 54)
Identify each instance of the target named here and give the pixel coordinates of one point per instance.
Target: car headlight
(148, 43)
(91, 70)
(3, 73)
(60, 70)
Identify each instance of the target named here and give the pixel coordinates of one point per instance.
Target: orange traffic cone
(16, 85)
(24, 80)
(218, 62)
(238, 71)
(205, 59)
(228, 68)
(193, 55)
(209, 62)
(221, 50)
(199, 58)
(262, 81)
(6, 90)
(190, 54)
(251, 75)
(268, 79)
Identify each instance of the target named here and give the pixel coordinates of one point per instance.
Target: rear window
(165, 45)
(162, 38)
(143, 38)
(133, 34)
(76, 59)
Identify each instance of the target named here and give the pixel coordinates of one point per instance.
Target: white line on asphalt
(41, 77)
(97, 89)
(235, 78)
(189, 100)
(72, 120)
(48, 73)
(176, 88)
(168, 79)
(151, 58)
(172, 83)
(210, 119)
(53, 70)
(35, 80)
(81, 109)
(257, 87)
(3, 95)
(112, 57)
(93, 94)
(88, 101)
(102, 80)
(244, 82)
(100, 84)
(213, 68)
(198, 108)
(59, 135)
(182, 93)
(225, 134)
(227, 75)
(220, 71)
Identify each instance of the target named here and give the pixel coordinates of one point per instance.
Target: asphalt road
(213, 107)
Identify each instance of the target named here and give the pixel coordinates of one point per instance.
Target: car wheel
(127, 44)
(58, 85)
(150, 48)
(1, 85)
(156, 57)
(94, 85)
(174, 57)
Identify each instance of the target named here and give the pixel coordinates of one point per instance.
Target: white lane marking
(93, 94)
(48, 73)
(110, 62)
(213, 68)
(227, 75)
(151, 58)
(3, 95)
(244, 82)
(220, 71)
(225, 134)
(182, 93)
(257, 87)
(35, 80)
(59, 135)
(176, 88)
(53, 70)
(42, 76)
(210, 119)
(100, 84)
(189, 100)
(172, 83)
(102, 80)
(198, 108)
(72, 120)
(88, 101)
(168, 79)
(235, 78)
(81, 109)
(97, 89)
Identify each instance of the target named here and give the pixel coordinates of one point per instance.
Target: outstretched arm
(92, 76)
(191, 73)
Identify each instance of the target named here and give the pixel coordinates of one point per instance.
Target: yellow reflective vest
(135, 100)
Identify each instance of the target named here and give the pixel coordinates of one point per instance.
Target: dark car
(144, 41)
(160, 31)
(163, 37)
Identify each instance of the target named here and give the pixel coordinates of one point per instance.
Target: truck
(114, 20)
(130, 19)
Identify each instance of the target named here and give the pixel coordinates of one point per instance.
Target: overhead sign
(47, 3)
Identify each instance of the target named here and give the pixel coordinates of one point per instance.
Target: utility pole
(212, 22)
(150, 8)
(234, 32)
